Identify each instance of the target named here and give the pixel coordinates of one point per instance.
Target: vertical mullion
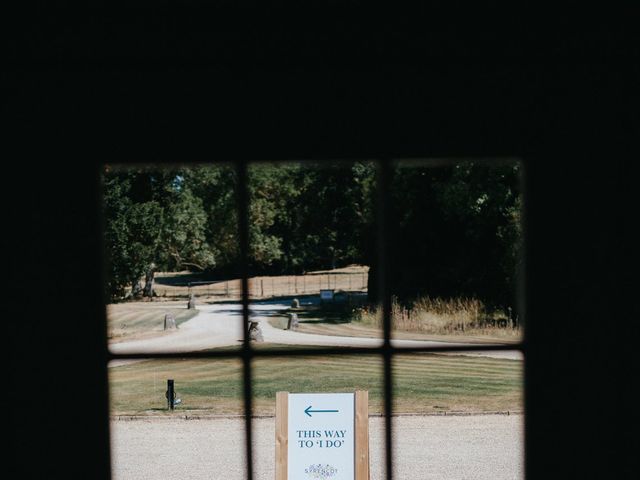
(382, 213)
(243, 230)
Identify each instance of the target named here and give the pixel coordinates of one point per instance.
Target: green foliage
(452, 231)
(318, 214)
(132, 232)
(184, 234)
(152, 218)
(456, 231)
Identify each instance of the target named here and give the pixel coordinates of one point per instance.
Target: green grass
(424, 383)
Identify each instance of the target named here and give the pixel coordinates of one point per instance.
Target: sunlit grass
(424, 383)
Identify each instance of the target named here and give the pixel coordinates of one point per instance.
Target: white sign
(321, 436)
(326, 294)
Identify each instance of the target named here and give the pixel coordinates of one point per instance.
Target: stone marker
(255, 332)
(295, 303)
(293, 322)
(170, 321)
(192, 302)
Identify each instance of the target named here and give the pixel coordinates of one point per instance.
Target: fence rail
(267, 287)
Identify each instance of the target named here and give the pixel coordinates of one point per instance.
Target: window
(399, 349)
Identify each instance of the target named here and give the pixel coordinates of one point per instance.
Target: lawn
(424, 383)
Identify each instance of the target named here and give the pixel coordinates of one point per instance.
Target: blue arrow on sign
(308, 411)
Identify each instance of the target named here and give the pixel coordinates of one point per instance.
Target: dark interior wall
(140, 88)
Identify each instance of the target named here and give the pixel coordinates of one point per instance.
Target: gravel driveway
(426, 447)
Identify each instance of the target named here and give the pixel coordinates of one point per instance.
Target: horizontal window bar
(323, 351)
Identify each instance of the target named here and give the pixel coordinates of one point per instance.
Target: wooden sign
(322, 436)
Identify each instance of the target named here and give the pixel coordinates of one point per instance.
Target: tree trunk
(136, 289)
(148, 281)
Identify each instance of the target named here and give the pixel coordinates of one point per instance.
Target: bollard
(170, 394)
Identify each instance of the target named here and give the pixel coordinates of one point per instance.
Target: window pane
(171, 256)
(458, 416)
(327, 374)
(201, 438)
(455, 246)
(312, 237)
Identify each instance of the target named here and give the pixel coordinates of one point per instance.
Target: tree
(152, 221)
(132, 232)
(452, 230)
(455, 231)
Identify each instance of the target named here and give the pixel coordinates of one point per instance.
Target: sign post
(322, 436)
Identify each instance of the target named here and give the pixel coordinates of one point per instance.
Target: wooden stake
(362, 435)
(282, 432)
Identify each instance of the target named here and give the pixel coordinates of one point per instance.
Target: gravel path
(438, 447)
(220, 325)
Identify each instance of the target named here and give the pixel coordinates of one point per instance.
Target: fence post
(171, 394)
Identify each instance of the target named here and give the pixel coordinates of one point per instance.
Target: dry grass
(437, 316)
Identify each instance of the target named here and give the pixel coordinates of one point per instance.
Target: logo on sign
(320, 472)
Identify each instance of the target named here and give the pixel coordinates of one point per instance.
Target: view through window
(228, 283)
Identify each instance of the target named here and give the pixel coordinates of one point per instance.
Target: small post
(295, 280)
(171, 394)
(226, 288)
(293, 322)
(261, 288)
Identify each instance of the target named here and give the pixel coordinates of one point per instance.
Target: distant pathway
(220, 325)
